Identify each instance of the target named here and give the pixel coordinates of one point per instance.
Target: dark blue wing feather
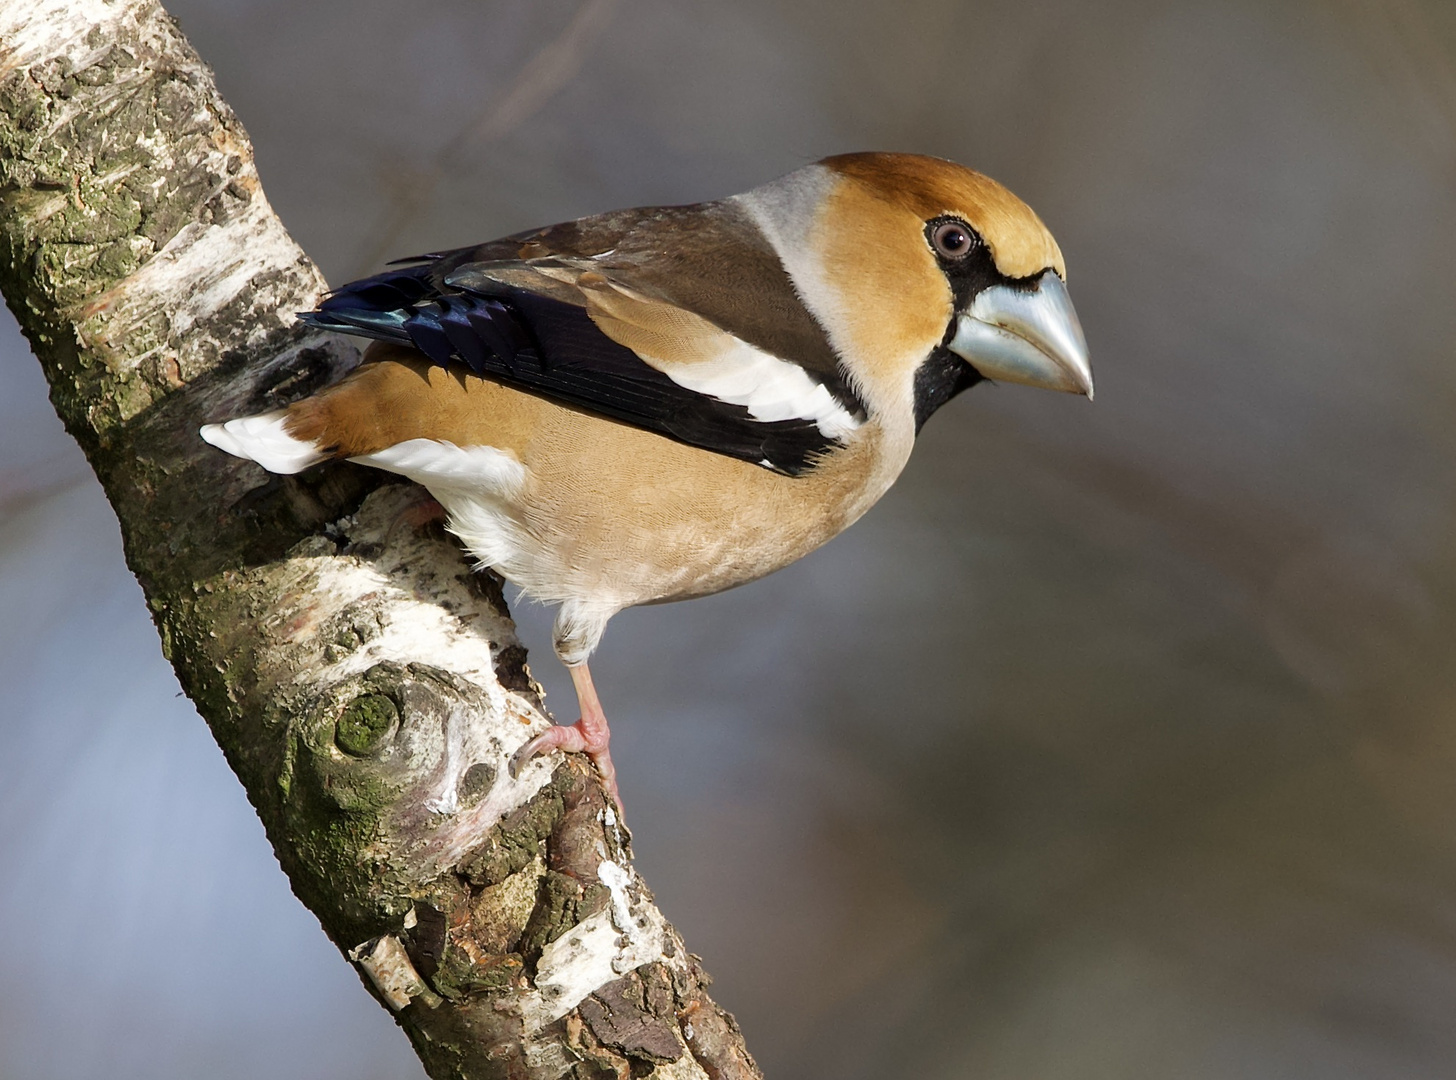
(550, 347)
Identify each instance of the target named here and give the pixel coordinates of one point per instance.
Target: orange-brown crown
(930, 187)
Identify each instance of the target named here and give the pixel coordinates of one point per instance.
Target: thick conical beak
(1029, 336)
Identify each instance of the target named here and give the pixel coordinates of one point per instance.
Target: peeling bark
(366, 687)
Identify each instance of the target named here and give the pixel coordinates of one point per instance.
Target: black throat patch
(943, 374)
(941, 377)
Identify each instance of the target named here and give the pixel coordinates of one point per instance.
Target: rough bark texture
(365, 685)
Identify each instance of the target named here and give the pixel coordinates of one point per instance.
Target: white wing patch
(708, 360)
(769, 388)
(263, 439)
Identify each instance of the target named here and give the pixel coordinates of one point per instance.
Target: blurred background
(1116, 742)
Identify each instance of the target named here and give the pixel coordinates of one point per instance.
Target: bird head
(927, 276)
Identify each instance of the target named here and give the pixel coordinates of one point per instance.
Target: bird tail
(265, 438)
(376, 406)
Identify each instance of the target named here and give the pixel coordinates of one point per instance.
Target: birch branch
(366, 687)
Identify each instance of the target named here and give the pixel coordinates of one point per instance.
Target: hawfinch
(656, 404)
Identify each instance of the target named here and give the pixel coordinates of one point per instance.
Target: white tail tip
(263, 439)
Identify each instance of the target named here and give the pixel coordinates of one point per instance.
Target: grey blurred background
(1116, 742)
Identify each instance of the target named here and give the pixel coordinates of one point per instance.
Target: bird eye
(952, 239)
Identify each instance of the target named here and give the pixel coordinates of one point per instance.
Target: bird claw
(574, 738)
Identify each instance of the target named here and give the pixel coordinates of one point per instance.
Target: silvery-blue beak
(1029, 336)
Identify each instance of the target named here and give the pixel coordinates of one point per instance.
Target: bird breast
(571, 506)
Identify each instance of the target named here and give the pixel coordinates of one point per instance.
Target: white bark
(365, 684)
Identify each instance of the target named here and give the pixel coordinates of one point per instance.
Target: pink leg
(588, 734)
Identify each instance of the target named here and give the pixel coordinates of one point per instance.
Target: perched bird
(656, 404)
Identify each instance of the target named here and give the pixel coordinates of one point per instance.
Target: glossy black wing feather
(550, 347)
(375, 307)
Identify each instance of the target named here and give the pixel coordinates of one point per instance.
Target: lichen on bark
(365, 685)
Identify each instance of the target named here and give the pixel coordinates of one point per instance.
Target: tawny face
(907, 192)
(928, 275)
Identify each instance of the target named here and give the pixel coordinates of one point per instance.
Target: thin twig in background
(355, 674)
(555, 65)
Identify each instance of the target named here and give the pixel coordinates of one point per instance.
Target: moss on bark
(365, 686)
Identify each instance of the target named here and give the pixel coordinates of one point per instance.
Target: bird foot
(425, 511)
(589, 735)
(580, 737)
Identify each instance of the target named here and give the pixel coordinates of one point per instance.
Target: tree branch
(366, 687)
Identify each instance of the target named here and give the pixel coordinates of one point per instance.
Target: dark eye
(952, 239)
